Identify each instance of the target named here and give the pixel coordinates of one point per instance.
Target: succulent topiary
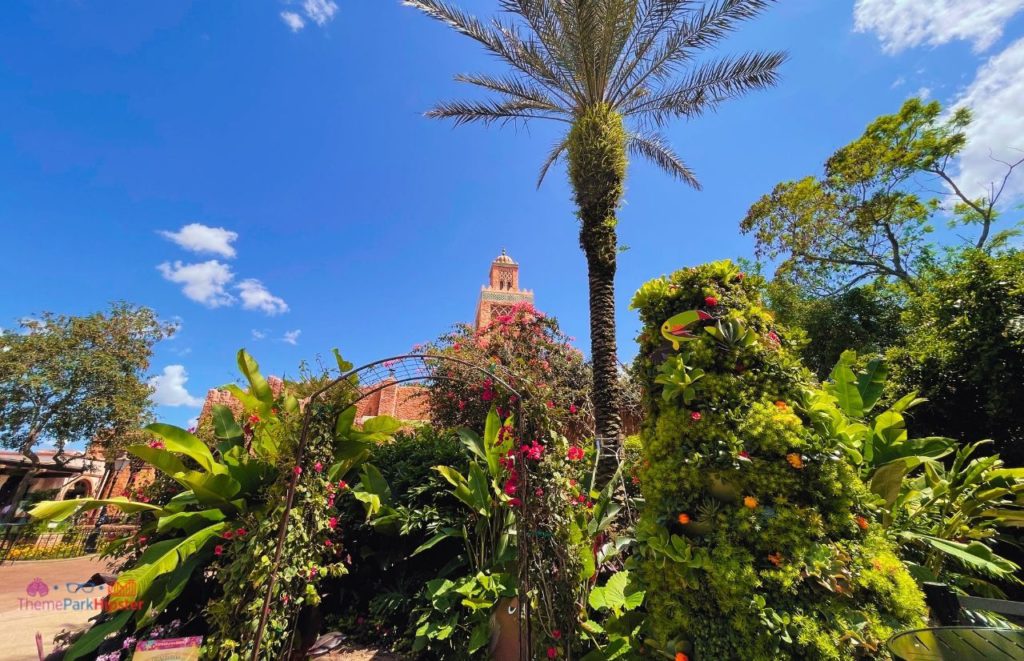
(785, 563)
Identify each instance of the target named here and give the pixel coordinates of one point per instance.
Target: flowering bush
(527, 348)
(756, 539)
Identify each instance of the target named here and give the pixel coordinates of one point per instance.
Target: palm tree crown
(637, 57)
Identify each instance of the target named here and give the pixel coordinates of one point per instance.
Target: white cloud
(193, 422)
(899, 82)
(169, 388)
(258, 334)
(320, 11)
(291, 337)
(204, 282)
(902, 24)
(996, 97)
(293, 20)
(923, 93)
(256, 297)
(202, 239)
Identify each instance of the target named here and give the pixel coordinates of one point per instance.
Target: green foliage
(69, 379)
(946, 516)
(678, 380)
(864, 219)
(216, 534)
(755, 541)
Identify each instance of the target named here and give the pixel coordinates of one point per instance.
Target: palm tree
(614, 71)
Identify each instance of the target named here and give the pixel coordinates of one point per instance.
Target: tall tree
(65, 379)
(613, 71)
(869, 215)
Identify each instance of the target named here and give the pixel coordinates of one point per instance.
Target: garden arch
(371, 378)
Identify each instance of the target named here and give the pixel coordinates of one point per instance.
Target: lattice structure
(371, 378)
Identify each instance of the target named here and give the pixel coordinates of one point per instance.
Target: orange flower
(862, 522)
(681, 656)
(775, 559)
(795, 460)
(750, 502)
(782, 406)
(684, 518)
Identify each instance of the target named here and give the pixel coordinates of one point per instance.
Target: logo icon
(37, 588)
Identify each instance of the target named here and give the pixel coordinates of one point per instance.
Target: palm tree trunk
(597, 170)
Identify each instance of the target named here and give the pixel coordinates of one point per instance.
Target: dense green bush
(756, 540)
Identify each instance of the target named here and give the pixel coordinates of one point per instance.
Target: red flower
(740, 275)
(297, 470)
(862, 523)
(462, 405)
(552, 653)
(575, 453)
(510, 487)
(744, 455)
(318, 467)
(328, 542)
(156, 445)
(142, 540)
(312, 571)
(218, 550)
(695, 416)
(572, 408)
(556, 634)
(534, 451)
(550, 404)
(343, 485)
(538, 492)
(515, 502)
(330, 501)
(710, 301)
(254, 419)
(228, 534)
(241, 532)
(333, 522)
(488, 395)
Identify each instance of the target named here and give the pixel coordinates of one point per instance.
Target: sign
(168, 649)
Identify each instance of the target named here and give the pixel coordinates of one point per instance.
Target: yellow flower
(795, 460)
(750, 502)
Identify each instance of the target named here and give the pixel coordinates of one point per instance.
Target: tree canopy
(65, 379)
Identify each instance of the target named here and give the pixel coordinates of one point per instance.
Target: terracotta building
(498, 297)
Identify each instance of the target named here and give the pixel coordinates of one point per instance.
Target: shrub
(756, 539)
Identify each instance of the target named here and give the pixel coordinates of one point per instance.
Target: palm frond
(489, 112)
(553, 156)
(656, 149)
(706, 87)
(702, 30)
(511, 87)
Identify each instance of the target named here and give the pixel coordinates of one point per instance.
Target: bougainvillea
(755, 542)
(525, 347)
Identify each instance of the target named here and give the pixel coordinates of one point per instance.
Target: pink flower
(143, 539)
(556, 634)
(330, 501)
(228, 534)
(318, 467)
(462, 405)
(510, 487)
(534, 451)
(552, 653)
(572, 408)
(575, 453)
(744, 455)
(312, 571)
(695, 416)
(551, 404)
(156, 445)
(343, 485)
(218, 550)
(487, 396)
(710, 301)
(515, 502)
(328, 542)
(254, 419)
(297, 470)
(538, 492)
(332, 522)
(241, 532)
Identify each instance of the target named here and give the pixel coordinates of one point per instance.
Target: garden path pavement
(20, 621)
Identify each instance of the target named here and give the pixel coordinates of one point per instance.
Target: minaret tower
(498, 297)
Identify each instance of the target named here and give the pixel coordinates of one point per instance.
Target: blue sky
(333, 214)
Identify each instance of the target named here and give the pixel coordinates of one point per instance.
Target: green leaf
(176, 439)
(343, 365)
(481, 636)
(844, 387)
(164, 557)
(258, 386)
(224, 426)
(209, 489)
(382, 424)
(471, 440)
(871, 383)
(974, 555)
(888, 479)
(442, 535)
(96, 635)
(162, 459)
(462, 489)
(58, 510)
(249, 403)
(190, 522)
(166, 589)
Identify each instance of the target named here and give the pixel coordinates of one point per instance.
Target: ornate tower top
(502, 292)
